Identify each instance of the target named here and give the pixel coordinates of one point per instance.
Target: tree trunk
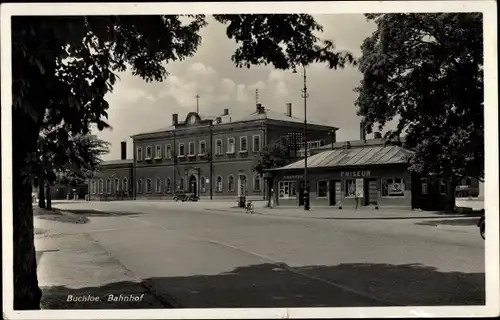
(48, 196)
(27, 294)
(269, 192)
(41, 192)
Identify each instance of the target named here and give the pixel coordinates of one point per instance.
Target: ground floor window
(117, 185)
(93, 188)
(181, 184)
(322, 189)
(125, 184)
(230, 183)
(108, 186)
(256, 182)
(139, 186)
(393, 187)
(158, 185)
(287, 189)
(101, 187)
(149, 186)
(218, 186)
(350, 188)
(202, 184)
(168, 185)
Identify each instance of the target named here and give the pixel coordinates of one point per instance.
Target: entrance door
(371, 192)
(335, 192)
(193, 185)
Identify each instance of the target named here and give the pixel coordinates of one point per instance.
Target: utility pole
(197, 103)
(305, 95)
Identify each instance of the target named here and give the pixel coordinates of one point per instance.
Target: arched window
(181, 183)
(108, 186)
(168, 185)
(256, 182)
(117, 185)
(101, 186)
(149, 186)
(218, 187)
(158, 185)
(125, 184)
(139, 186)
(202, 184)
(92, 187)
(230, 183)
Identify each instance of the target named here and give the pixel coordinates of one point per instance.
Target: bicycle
(249, 208)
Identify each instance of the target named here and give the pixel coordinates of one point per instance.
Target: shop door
(371, 192)
(335, 192)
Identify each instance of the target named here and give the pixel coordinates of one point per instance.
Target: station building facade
(212, 157)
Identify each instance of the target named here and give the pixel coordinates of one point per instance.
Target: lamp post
(305, 95)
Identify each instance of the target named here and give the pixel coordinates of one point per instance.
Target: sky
(137, 106)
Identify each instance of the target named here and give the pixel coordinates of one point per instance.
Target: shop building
(363, 173)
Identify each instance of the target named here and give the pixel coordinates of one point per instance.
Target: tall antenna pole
(197, 103)
(256, 96)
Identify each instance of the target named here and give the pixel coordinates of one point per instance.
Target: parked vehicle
(183, 196)
(481, 225)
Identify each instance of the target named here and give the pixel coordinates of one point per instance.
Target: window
(92, 187)
(322, 189)
(203, 147)
(256, 143)
(139, 154)
(443, 187)
(108, 186)
(230, 145)
(393, 187)
(191, 148)
(181, 150)
(230, 183)
(117, 185)
(350, 188)
(424, 187)
(218, 147)
(101, 186)
(202, 184)
(125, 184)
(218, 186)
(139, 186)
(158, 185)
(168, 185)
(256, 182)
(243, 145)
(157, 152)
(168, 151)
(149, 186)
(287, 190)
(149, 152)
(181, 183)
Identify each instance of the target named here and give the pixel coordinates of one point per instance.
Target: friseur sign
(348, 174)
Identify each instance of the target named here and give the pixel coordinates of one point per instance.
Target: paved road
(198, 258)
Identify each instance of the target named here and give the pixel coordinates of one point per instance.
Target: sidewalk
(75, 272)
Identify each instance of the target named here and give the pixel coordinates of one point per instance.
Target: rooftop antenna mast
(198, 104)
(256, 96)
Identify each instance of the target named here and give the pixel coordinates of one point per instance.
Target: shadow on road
(100, 213)
(278, 285)
(450, 222)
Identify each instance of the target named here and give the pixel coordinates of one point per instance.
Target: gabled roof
(355, 156)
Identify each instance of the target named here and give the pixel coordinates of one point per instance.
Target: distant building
(208, 156)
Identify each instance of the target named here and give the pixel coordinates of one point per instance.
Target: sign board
(294, 177)
(353, 174)
(359, 188)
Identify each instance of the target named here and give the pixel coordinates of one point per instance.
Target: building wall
(376, 174)
(112, 191)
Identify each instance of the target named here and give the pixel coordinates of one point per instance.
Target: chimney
(260, 108)
(226, 112)
(218, 120)
(124, 150)
(175, 119)
(289, 109)
(362, 131)
(377, 135)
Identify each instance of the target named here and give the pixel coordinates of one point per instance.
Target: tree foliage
(426, 71)
(274, 155)
(63, 67)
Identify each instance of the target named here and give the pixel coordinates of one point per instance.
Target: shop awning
(360, 156)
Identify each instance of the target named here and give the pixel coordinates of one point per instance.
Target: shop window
(287, 190)
(393, 187)
(230, 183)
(149, 186)
(424, 186)
(322, 189)
(443, 187)
(350, 188)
